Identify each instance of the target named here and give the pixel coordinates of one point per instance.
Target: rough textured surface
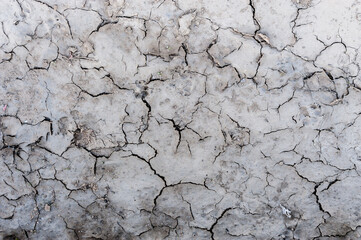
(180, 119)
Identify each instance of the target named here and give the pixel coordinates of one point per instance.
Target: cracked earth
(180, 119)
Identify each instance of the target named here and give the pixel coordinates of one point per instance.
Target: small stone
(47, 207)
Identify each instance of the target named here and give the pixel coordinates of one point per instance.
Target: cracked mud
(180, 119)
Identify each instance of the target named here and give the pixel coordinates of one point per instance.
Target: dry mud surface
(180, 119)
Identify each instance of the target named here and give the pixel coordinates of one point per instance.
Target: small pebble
(47, 208)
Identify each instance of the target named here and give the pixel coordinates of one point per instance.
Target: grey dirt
(180, 119)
